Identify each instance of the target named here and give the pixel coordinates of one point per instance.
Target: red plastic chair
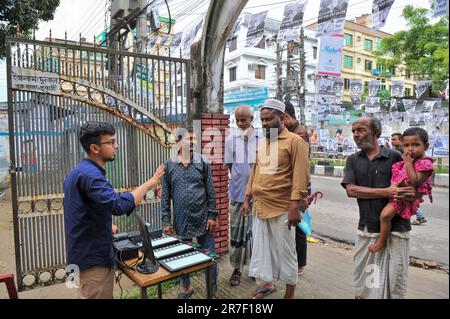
(10, 286)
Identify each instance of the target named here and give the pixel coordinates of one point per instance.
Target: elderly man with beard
(279, 188)
(240, 154)
(367, 177)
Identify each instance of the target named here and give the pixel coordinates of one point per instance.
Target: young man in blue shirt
(89, 203)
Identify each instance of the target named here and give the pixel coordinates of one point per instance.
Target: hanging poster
(189, 38)
(373, 104)
(330, 55)
(397, 88)
(292, 22)
(440, 8)
(380, 11)
(422, 88)
(331, 17)
(234, 29)
(175, 44)
(255, 30)
(374, 87)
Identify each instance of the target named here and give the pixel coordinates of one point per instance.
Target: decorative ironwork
(143, 96)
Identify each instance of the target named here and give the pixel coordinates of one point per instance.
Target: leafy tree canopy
(22, 17)
(422, 50)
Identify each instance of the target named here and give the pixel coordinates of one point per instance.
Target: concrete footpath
(328, 275)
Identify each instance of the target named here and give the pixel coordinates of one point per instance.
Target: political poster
(397, 88)
(374, 87)
(189, 38)
(380, 11)
(373, 104)
(292, 22)
(440, 8)
(255, 30)
(331, 17)
(330, 55)
(421, 88)
(175, 44)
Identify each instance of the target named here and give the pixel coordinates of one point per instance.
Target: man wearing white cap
(279, 188)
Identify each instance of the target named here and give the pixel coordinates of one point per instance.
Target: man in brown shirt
(278, 186)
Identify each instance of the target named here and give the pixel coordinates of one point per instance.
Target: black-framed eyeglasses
(112, 143)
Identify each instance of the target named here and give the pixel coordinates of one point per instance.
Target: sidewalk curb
(440, 180)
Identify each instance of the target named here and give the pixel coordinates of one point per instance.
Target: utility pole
(141, 26)
(279, 93)
(287, 86)
(302, 89)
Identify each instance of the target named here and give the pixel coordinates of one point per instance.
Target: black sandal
(235, 279)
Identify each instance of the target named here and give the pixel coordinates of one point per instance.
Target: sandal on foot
(262, 292)
(235, 279)
(185, 295)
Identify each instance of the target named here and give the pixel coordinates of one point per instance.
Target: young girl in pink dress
(414, 170)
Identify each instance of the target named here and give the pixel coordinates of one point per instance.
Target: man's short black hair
(289, 110)
(91, 132)
(181, 131)
(400, 136)
(276, 112)
(412, 131)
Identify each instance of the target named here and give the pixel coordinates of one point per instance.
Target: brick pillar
(215, 150)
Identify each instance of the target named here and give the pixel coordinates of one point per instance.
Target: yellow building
(359, 60)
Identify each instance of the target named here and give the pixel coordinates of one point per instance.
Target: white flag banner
(397, 88)
(374, 87)
(440, 8)
(330, 55)
(292, 22)
(331, 17)
(255, 30)
(422, 88)
(380, 11)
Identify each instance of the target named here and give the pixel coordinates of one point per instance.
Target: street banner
(151, 47)
(175, 44)
(439, 144)
(374, 87)
(324, 106)
(330, 55)
(292, 22)
(397, 88)
(380, 11)
(256, 27)
(331, 17)
(440, 8)
(373, 104)
(325, 86)
(189, 38)
(34, 80)
(422, 88)
(356, 87)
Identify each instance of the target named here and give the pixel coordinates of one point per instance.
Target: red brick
(216, 178)
(223, 222)
(221, 116)
(224, 233)
(206, 116)
(217, 246)
(211, 122)
(224, 200)
(223, 217)
(224, 178)
(221, 184)
(221, 205)
(221, 250)
(222, 228)
(224, 244)
(224, 189)
(225, 122)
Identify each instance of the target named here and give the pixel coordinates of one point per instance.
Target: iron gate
(53, 88)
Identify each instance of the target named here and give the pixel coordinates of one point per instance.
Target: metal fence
(53, 88)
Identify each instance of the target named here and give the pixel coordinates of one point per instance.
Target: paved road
(336, 216)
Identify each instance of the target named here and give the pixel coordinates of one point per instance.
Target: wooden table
(147, 280)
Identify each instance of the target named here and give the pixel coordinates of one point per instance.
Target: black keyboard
(183, 261)
(171, 250)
